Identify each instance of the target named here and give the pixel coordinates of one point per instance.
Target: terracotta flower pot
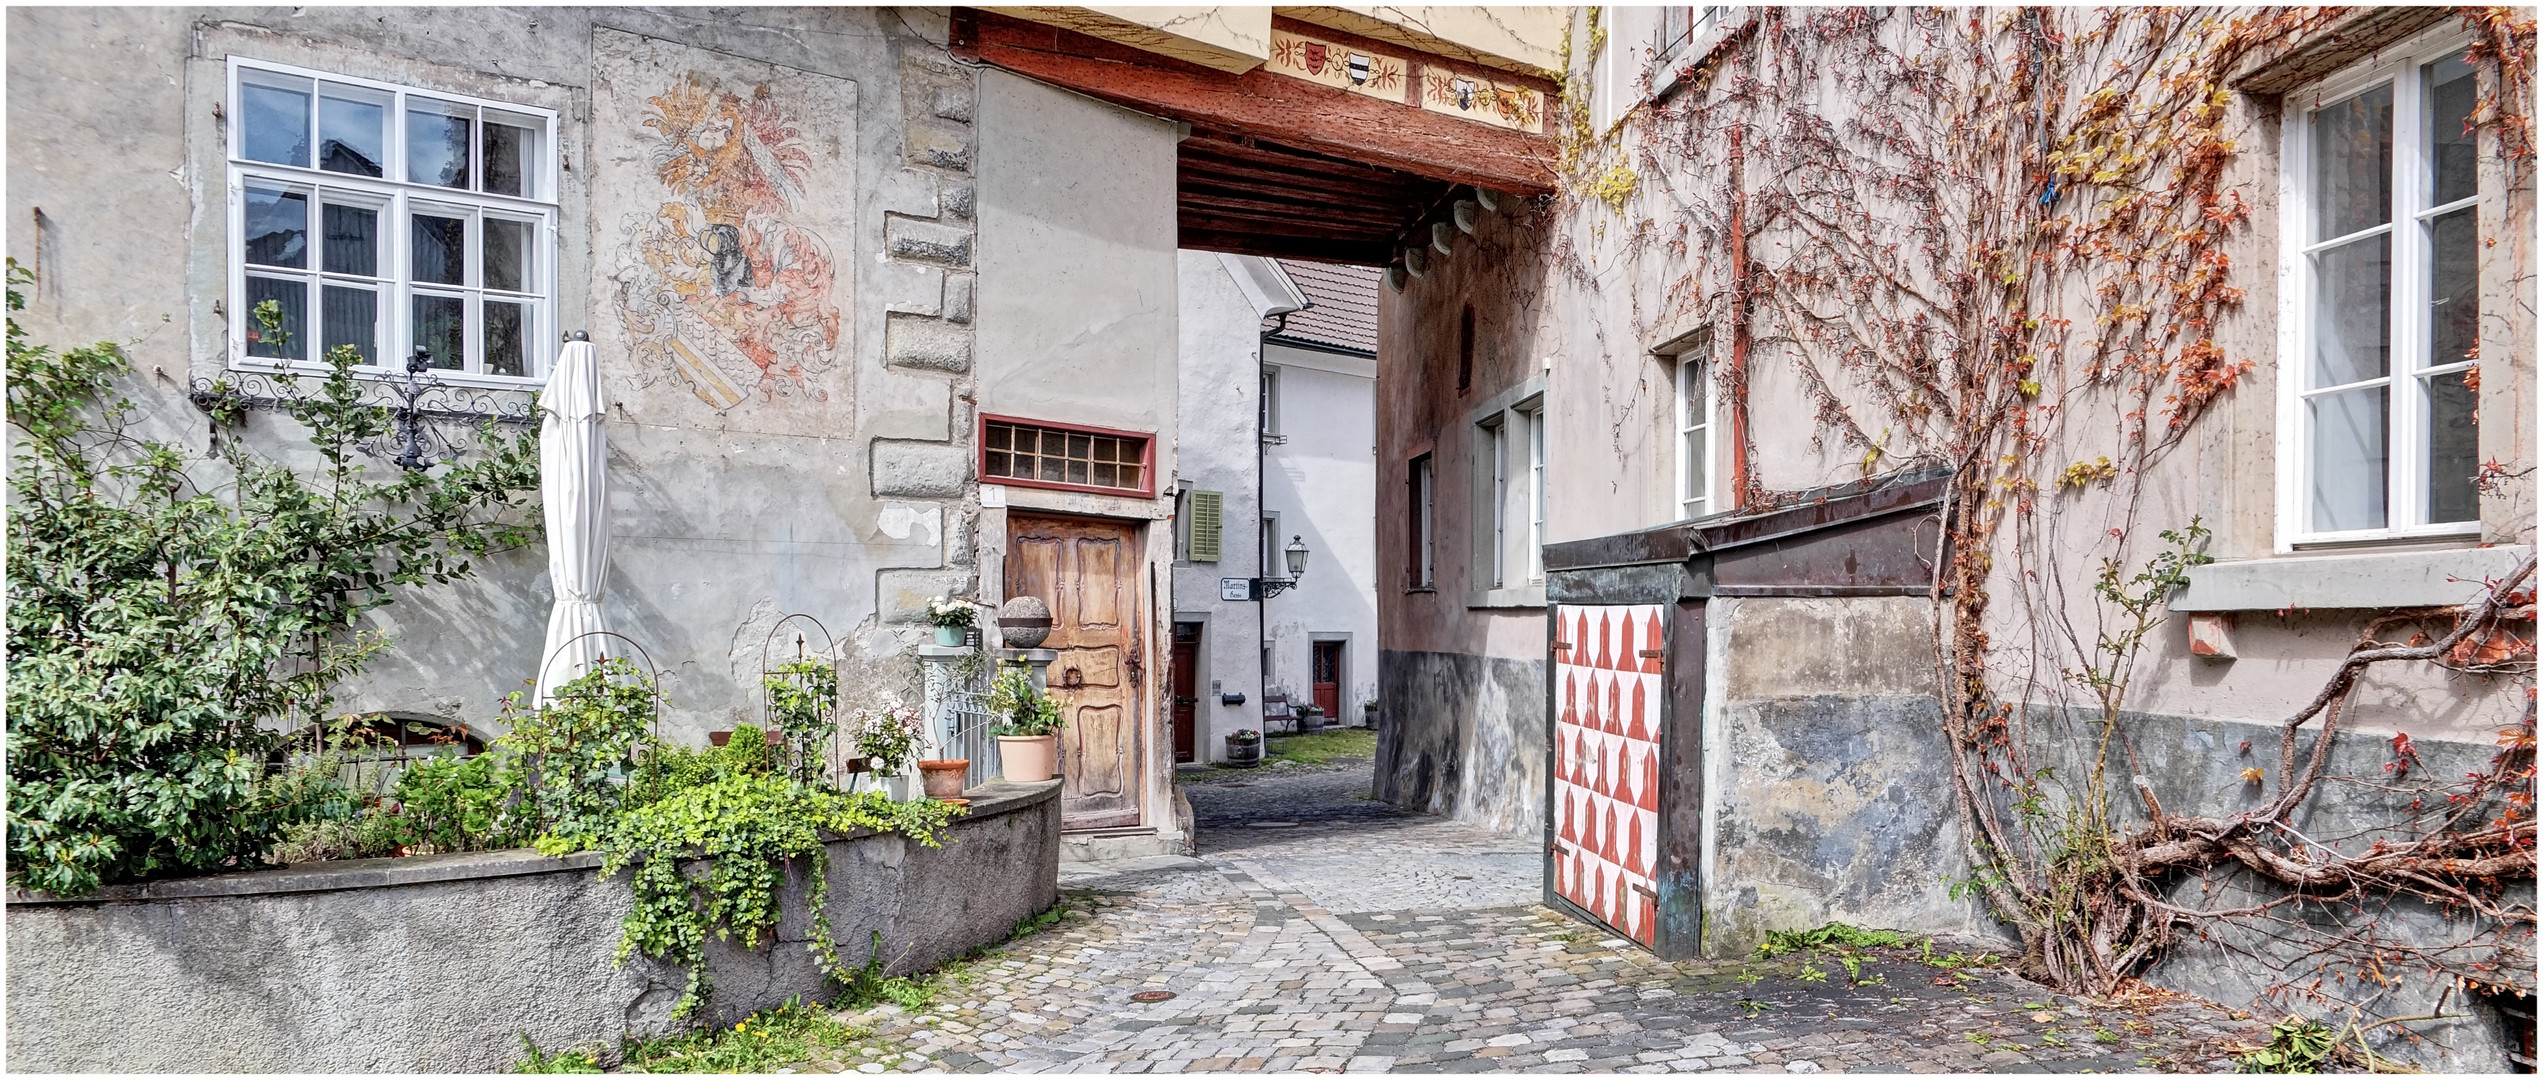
(944, 778)
(1028, 759)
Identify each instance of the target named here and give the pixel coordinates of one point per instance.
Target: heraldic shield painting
(727, 186)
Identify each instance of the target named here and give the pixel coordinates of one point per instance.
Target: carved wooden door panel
(1608, 689)
(1087, 571)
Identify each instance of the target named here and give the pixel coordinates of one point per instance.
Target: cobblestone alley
(1320, 931)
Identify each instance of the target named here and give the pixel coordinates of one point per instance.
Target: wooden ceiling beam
(1286, 247)
(1278, 225)
(1237, 176)
(1368, 220)
(1292, 112)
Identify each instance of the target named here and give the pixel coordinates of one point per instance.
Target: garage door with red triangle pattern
(1608, 686)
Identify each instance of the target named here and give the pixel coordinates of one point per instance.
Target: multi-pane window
(1046, 456)
(1496, 435)
(2383, 194)
(1694, 424)
(1510, 469)
(1534, 417)
(1418, 491)
(386, 220)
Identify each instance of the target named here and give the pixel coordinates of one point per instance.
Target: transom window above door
(2378, 421)
(386, 220)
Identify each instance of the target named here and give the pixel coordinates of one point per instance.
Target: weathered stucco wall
(1463, 736)
(1824, 800)
(1220, 403)
(444, 963)
(835, 480)
(1321, 481)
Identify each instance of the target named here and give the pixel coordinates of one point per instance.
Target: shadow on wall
(1463, 736)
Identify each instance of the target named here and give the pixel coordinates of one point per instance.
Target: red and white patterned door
(1608, 684)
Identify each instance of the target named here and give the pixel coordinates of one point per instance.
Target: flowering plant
(1243, 736)
(888, 737)
(951, 611)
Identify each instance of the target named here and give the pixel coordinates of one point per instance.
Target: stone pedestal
(1036, 661)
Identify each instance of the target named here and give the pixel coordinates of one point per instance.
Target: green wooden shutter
(1205, 525)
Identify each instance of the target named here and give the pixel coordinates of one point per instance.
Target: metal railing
(966, 725)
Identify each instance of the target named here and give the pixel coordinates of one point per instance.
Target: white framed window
(1496, 438)
(1418, 488)
(1533, 414)
(2380, 301)
(389, 219)
(1694, 434)
(1271, 401)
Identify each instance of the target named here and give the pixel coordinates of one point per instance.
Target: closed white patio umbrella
(574, 493)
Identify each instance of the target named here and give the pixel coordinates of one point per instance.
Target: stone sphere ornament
(1024, 622)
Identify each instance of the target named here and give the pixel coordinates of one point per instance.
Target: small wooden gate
(1609, 690)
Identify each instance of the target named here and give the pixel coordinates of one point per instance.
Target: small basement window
(1073, 458)
(2515, 1010)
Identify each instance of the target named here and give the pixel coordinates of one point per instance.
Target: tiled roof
(1344, 315)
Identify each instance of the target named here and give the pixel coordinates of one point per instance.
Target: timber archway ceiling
(1336, 148)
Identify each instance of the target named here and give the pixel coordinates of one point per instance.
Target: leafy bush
(1019, 708)
(2296, 1045)
(458, 804)
(574, 753)
(803, 701)
(172, 611)
(760, 1043)
(1831, 936)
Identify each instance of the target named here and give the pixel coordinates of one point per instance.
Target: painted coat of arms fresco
(727, 282)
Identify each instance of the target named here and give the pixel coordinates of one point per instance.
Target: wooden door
(1328, 679)
(1186, 679)
(1088, 572)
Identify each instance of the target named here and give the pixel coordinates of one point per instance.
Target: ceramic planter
(1028, 759)
(950, 635)
(944, 778)
(1244, 755)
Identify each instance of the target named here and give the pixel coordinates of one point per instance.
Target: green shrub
(172, 611)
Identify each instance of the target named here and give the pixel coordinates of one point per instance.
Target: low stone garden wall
(444, 963)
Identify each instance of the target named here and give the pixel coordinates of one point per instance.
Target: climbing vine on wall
(1986, 240)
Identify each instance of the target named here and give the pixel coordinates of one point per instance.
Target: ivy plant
(174, 610)
(734, 808)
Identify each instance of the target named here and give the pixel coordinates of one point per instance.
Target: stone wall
(444, 963)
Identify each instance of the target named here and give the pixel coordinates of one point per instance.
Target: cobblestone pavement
(1323, 932)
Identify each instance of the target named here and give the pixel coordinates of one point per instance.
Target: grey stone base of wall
(1837, 809)
(444, 963)
(1463, 736)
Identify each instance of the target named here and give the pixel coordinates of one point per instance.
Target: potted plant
(886, 742)
(1310, 719)
(944, 779)
(1028, 727)
(1244, 748)
(952, 616)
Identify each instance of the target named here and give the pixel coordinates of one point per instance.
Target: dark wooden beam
(1378, 220)
(1279, 225)
(1286, 247)
(1293, 112)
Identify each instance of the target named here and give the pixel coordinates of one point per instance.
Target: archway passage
(1341, 148)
